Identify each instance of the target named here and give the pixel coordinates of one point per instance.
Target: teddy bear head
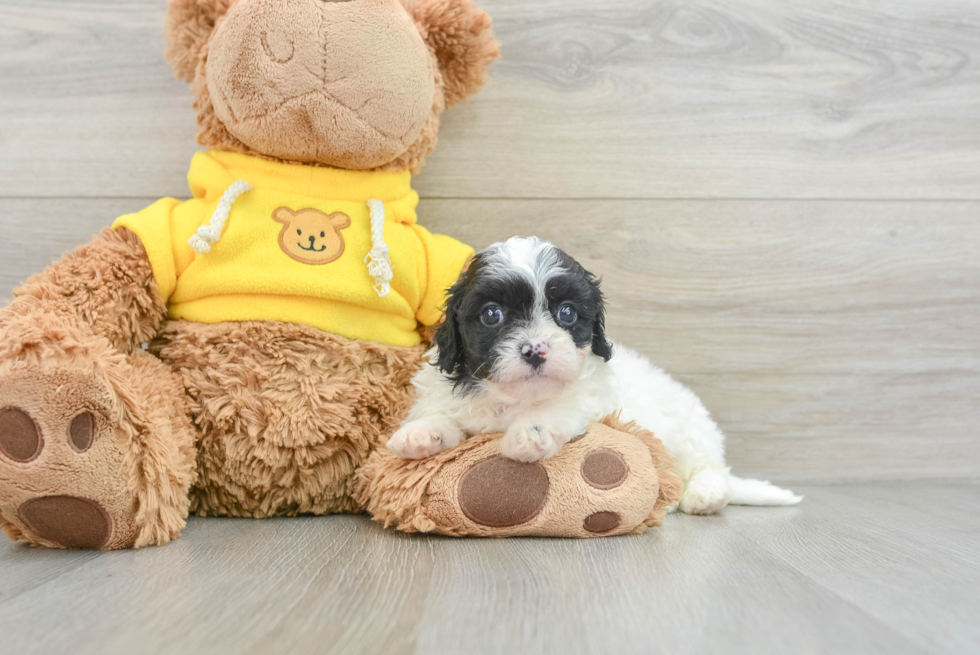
(355, 84)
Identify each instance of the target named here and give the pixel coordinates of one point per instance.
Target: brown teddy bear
(245, 353)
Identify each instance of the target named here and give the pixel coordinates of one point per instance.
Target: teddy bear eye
(323, 234)
(299, 232)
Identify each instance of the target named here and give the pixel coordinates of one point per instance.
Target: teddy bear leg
(96, 449)
(616, 479)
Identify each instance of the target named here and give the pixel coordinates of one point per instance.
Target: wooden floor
(885, 568)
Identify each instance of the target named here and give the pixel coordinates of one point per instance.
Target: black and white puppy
(523, 351)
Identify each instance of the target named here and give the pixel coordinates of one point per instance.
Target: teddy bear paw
(605, 483)
(62, 467)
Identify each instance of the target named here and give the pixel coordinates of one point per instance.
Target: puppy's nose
(535, 353)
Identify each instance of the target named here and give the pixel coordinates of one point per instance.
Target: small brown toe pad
(601, 522)
(68, 521)
(604, 469)
(81, 432)
(20, 439)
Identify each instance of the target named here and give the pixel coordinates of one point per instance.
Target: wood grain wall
(783, 198)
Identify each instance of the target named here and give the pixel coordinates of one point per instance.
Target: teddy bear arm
(105, 288)
(97, 449)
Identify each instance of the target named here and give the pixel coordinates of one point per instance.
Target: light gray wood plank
(22, 568)
(831, 340)
(620, 98)
(951, 509)
(884, 549)
(88, 104)
(342, 584)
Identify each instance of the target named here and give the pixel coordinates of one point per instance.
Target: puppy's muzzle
(535, 353)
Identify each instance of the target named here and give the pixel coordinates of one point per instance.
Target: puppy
(523, 351)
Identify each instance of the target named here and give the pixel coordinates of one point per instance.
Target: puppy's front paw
(529, 442)
(424, 438)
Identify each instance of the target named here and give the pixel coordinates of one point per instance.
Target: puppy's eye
(566, 314)
(492, 316)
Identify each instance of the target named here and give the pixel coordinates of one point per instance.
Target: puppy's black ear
(600, 345)
(452, 352)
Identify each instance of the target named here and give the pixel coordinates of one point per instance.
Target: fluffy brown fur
(106, 285)
(286, 413)
(461, 38)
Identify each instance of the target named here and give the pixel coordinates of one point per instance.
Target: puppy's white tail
(758, 492)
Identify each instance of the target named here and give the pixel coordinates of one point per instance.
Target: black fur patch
(581, 288)
(467, 347)
(467, 351)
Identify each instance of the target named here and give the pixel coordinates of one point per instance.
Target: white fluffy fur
(540, 411)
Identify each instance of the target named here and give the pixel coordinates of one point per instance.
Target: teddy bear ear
(189, 26)
(460, 35)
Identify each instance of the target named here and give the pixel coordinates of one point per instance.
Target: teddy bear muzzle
(306, 81)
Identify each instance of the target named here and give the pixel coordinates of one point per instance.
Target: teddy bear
(248, 352)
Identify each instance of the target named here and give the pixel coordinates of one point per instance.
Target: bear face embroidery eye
(323, 234)
(492, 315)
(566, 314)
(299, 232)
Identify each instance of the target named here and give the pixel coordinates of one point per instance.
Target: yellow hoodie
(262, 240)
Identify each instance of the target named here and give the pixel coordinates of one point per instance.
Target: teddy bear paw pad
(69, 521)
(604, 469)
(20, 439)
(501, 493)
(63, 471)
(601, 522)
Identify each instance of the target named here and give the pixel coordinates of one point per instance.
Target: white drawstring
(210, 233)
(379, 259)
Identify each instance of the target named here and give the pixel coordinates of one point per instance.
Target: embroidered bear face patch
(311, 237)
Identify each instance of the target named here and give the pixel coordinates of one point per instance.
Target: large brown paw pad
(67, 521)
(501, 493)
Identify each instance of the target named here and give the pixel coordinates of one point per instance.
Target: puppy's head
(524, 317)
